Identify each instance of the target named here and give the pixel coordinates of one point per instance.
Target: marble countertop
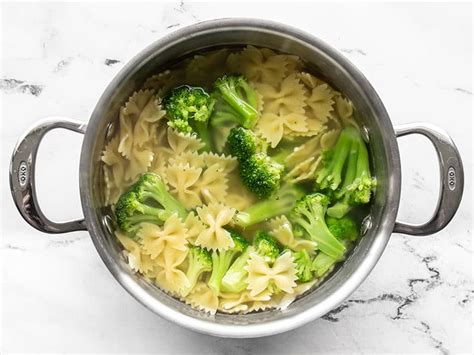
(57, 296)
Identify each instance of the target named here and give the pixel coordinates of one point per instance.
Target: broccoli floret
(235, 278)
(236, 101)
(189, 109)
(222, 259)
(242, 143)
(261, 175)
(146, 201)
(322, 263)
(334, 160)
(304, 268)
(280, 203)
(200, 261)
(342, 228)
(364, 183)
(345, 173)
(309, 213)
(266, 246)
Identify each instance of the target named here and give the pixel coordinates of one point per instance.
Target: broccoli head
(199, 262)
(304, 267)
(222, 260)
(280, 203)
(266, 246)
(261, 175)
(309, 214)
(242, 143)
(343, 228)
(189, 109)
(146, 201)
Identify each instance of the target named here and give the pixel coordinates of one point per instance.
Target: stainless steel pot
(338, 71)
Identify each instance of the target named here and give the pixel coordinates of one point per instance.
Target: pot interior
(323, 61)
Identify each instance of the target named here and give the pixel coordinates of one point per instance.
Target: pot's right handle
(451, 178)
(22, 176)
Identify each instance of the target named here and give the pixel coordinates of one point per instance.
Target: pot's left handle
(22, 176)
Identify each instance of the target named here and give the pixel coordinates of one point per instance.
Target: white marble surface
(57, 296)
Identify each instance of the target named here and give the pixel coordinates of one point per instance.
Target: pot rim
(275, 326)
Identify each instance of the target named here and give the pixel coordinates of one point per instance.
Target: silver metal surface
(335, 69)
(451, 179)
(22, 176)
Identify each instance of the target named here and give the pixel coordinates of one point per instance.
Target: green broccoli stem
(203, 133)
(220, 264)
(363, 168)
(342, 207)
(263, 211)
(159, 193)
(234, 279)
(320, 233)
(343, 147)
(192, 274)
(330, 176)
(240, 106)
(322, 263)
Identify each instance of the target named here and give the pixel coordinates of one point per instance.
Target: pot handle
(22, 176)
(451, 179)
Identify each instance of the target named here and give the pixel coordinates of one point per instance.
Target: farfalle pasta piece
(308, 149)
(168, 275)
(170, 237)
(283, 300)
(205, 68)
(215, 216)
(114, 169)
(137, 260)
(183, 142)
(238, 196)
(329, 138)
(163, 82)
(212, 185)
(194, 227)
(320, 103)
(140, 161)
(202, 297)
(228, 163)
(288, 97)
(240, 302)
(303, 171)
(145, 129)
(191, 158)
(311, 148)
(280, 227)
(261, 276)
(182, 179)
(261, 65)
(309, 80)
(272, 126)
(344, 107)
(129, 114)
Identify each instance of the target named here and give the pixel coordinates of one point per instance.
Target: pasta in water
(215, 216)
(222, 176)
(262, 276)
